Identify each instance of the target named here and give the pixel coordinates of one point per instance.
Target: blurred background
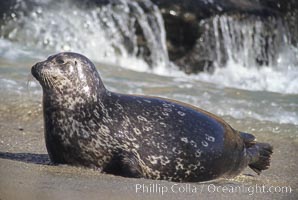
(235, 58)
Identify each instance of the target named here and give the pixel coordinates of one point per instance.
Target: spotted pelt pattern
(133, 136)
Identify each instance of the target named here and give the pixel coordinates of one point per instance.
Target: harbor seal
(133, 135)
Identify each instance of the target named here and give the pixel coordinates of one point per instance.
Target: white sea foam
(254, 78)
(96, 34)
(106, 35)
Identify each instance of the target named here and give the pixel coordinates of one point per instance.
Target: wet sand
(25, 172)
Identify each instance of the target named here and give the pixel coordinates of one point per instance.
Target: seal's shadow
(40, 159)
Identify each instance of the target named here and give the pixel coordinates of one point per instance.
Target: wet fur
(136, 136)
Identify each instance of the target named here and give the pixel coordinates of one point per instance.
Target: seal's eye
(60, 61)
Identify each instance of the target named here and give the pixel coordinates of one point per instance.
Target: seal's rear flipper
(248, 139)
(260, 154)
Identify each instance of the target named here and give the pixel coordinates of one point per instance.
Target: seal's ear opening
(75, 62)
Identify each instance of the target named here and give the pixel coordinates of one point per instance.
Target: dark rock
(186, 35)
(182, 33)
(189, 27)
(6, 8)
(282, 6)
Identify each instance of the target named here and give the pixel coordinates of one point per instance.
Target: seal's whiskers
(30, 79)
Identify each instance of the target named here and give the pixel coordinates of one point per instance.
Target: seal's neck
(74, 99)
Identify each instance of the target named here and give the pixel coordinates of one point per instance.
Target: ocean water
(106, 35)
(215, 93)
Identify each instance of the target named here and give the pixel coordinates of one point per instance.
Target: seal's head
(67, 73)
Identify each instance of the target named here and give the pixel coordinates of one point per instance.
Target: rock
(188, 23)
(280, 6)
(190, 30)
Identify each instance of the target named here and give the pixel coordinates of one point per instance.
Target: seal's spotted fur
(136, 136)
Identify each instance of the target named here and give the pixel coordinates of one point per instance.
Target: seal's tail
(260, 154)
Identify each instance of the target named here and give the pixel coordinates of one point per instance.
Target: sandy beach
(26, 173)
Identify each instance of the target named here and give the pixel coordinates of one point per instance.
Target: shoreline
(26, 174)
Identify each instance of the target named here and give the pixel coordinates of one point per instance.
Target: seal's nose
(35, 70)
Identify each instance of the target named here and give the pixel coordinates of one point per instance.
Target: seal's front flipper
(260, 155)
(124, 164)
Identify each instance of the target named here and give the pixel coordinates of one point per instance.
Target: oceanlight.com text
(209, 188)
